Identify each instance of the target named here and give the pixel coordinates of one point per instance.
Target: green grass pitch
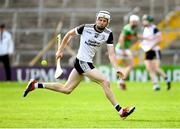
(87, 107)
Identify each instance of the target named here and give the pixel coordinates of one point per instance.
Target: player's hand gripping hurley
(59, 70)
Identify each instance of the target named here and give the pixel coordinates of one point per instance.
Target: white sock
(167, 79)
(155, 81)
(121, 111)
(36, 85)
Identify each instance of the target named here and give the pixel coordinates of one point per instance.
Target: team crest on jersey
(99, 37)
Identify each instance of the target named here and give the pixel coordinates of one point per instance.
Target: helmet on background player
(103, 14)
(148, 18)
(134, 18)
(134, 21)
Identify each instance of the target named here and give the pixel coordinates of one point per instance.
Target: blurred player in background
(92, 36)
(126, 38)
(152, 36)
(6, 50)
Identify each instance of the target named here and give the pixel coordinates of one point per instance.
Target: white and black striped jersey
(91, 40)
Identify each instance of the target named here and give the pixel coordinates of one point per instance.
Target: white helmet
(134, 18)
(104, 14)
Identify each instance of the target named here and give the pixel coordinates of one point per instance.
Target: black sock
(117, 107)
(167, 79)
(40, 85)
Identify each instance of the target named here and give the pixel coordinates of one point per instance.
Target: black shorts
(82, 66)
(153, 54)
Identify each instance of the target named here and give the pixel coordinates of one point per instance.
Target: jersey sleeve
(79, 29)
(110, 38)
(155, 31)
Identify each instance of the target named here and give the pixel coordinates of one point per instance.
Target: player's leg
(72, 82)
(98, 77)
(120, 58)
(157, 63)
(150, 66)
(162, 73)
(158, 69)
(128, 63)
(128, 67)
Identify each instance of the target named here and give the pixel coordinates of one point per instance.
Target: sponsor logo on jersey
(92, 43)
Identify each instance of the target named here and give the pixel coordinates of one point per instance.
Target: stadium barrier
(138, 74)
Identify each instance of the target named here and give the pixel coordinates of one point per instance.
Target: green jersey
(129, 34)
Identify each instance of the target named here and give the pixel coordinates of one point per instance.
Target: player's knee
(152, 70)
(157, 70)
(149, 69)
(106, 83)
(68, 91)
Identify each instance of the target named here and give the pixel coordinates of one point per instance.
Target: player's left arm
(112, 56)
(157, 35)
(113, 60)
(69, 35)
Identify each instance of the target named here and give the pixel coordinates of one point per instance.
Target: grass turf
(87, 107)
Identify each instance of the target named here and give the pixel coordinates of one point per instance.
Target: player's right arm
(121, 40)
(69, 35)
